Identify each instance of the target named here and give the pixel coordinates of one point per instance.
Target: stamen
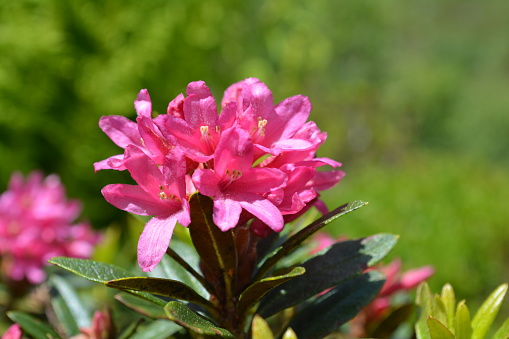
(207, 138)
(259, 131)
(163, 196)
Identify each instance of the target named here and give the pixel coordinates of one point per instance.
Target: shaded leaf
(423, 299)
(260, 329)
(294, 241)
(438, 330)
(391, 323)
(164, 287)
(158, 329)
(439, 310)
(486, 314)
(64, 317)
(72, 300)
(33, 326)
(215, 247)
(142, 306)
(338, 263)
(257, 290)
(337, 306)
(99, 272)
(185, 317)
(463, 325)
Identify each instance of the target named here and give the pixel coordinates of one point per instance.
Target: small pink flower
(13, 332)
(100, 328)
(36, 224)
(160, 192)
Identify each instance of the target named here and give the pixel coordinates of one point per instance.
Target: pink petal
(226, 212)
(115, 162)
(293, 112)
(325, 180)
(176, 107)
(121, 130)
(206, 182)
(143, 170)
(134, 199)
(412, 278)
(263, 209)
(200, 106)
(152, 138)
(13, 332)
(154, 241)
(143, 105)
(259, 180)
(234, 151)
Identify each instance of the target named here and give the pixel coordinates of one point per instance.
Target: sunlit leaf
(72, 300)
(185, 317)
(438, 330)
(486, 314)
(260, 329)
(293, 242)
(289, 334)
(423, 299)
(33, 326)
(338, 263)
(463, 324)
(503, 331)
(449, 301)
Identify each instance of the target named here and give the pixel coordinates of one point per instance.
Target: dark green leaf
(486, 314)
(99, 272)
(33, 326)
(64, 317)
(185, 317)
(73, 302)
(158, 329)
(438, 330)
(337, 306)
(293, 242)
(142, 306)
(164, 287)
(391, 323)
(258, 289)
(338, 263)
(215, 247)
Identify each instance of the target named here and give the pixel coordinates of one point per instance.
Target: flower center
(258, 132)
(208, 139)
(230, 176)
(163, 196)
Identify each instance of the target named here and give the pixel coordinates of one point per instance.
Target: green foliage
(438, 319)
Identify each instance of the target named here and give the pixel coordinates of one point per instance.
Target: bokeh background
(413, 95)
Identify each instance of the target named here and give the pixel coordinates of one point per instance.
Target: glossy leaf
(142, 306)
(294, 241)
(463, 324)
(391, 323)
(164, 287)
(337, 306)
(503, 331)
(449, 301)
(438, 330)
(260, 329)
(185, 317)
(158, 329)
(289, 334)
(215, 247)
(99, 272)
(33, 326)
(257, 290)
(64, 316)
(486, 314)
(424, 301)
(72, 300)
(338, 263)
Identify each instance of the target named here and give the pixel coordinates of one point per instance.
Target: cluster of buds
(36, 224)
(255, 159)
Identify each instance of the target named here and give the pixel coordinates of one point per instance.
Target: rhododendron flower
(36, 224)
(13, 332)
(160, 193)
(254, 158)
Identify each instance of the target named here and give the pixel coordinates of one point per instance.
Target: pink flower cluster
(256, 160)
(36, 225)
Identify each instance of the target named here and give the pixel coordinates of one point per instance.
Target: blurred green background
(413, 95)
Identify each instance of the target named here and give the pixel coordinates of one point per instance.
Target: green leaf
(158, 329)
(337, 306)
(438, 330)
(216, 248)
(503, 331)
(391, 323)
(338, 263)
(99, 272)
(463, 325)
(289, 334)
(257, 290)
(294, 241)
(72, 300)
(64, 316)
(164, 287)
(486, 314)
(33, 326)
(439, 309)
(141, 306)
(260, 329)
(424, 300)
(449, 301)
(185, 317)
